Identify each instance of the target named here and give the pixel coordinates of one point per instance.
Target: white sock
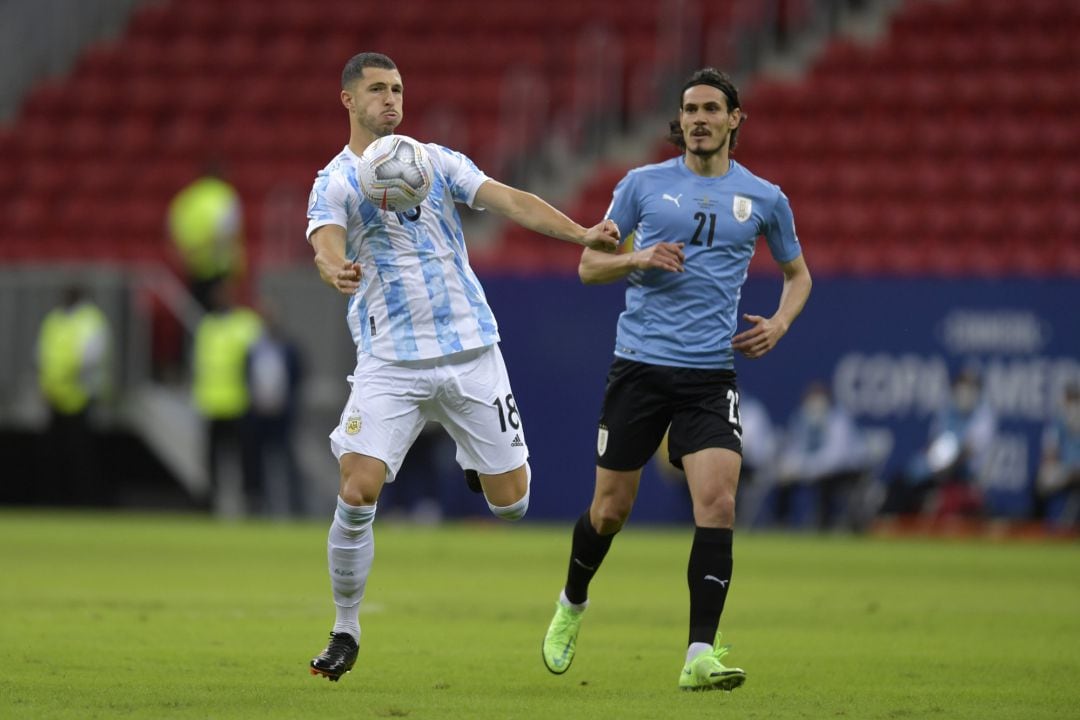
(516, 511)
(696, 649)
(350, 550)
(576, 607)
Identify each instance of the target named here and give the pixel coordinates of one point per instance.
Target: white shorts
(468, 393)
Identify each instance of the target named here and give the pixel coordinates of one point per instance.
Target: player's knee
(610, 511)
(516, 509)
(362, 478)
(609, 517)
(357, 492)
(716, 511)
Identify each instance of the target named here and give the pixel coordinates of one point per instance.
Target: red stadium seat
(946, 147)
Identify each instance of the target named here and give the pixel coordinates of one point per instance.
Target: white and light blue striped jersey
(688, 319)
(418, 297)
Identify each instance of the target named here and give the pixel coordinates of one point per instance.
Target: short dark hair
(354, 69)
(713, 78)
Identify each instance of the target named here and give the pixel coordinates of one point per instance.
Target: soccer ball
(395, 173)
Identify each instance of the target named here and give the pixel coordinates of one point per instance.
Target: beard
(707, 152)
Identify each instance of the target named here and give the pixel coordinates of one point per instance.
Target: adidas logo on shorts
(516, 442)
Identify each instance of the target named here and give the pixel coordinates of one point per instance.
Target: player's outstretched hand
(663, 255)
(760, 339)
(347, 278)
(603, 237)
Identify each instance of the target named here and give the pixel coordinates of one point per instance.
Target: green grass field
(143, 616)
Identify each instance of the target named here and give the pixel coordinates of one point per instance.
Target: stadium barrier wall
(887, 348)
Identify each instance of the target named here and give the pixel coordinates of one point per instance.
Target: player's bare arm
(337, 272)
(766, 332)
(599, 268)
(532, 212)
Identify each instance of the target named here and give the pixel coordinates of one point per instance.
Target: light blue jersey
(688, 319)
(418, 297)
(1063, 441)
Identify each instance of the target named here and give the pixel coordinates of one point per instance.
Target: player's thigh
(383, 415)
(476, 405)
(634, 417)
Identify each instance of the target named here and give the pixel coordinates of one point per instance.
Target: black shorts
(642, 400)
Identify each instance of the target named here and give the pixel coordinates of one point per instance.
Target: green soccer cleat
(561, 639)
(706, 672)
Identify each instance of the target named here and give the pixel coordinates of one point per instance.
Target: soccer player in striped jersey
(426, 340)
(694, 220)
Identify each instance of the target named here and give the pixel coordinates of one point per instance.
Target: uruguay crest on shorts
(741, 208)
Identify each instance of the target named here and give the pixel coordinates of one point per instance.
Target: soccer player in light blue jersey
(694, 220)
(426, 340)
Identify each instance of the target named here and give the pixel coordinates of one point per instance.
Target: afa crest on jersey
(352, 425)
(742, 208)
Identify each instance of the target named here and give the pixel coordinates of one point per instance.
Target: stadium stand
(947, 148)
(92, 158)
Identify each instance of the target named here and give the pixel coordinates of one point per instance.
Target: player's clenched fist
(603, 237)
(347, 279)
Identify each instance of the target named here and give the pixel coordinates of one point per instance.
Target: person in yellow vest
(220, 392)
(205, 222)
(72, 362)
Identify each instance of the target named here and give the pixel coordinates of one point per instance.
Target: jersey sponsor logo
(516, 442)
(601, 441)
(675, 199)
(352, 425)
(741, 208)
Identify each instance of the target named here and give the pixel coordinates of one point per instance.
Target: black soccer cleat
(337, 659)
(472, 479)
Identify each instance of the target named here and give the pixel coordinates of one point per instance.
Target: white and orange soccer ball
(395, 173)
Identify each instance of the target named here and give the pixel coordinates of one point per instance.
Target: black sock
(708, 574)
(586, 554)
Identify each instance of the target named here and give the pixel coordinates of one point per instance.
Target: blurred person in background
(695, 221)
(1057, 483)
(426, 339)
(223, 340)
(942, 478)
(821, 460)
(274, 373)
(73, 367)
(205, 222)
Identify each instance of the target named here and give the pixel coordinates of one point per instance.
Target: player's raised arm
(766, 332)
(336, 271)
(532, 212)
(599, 268)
